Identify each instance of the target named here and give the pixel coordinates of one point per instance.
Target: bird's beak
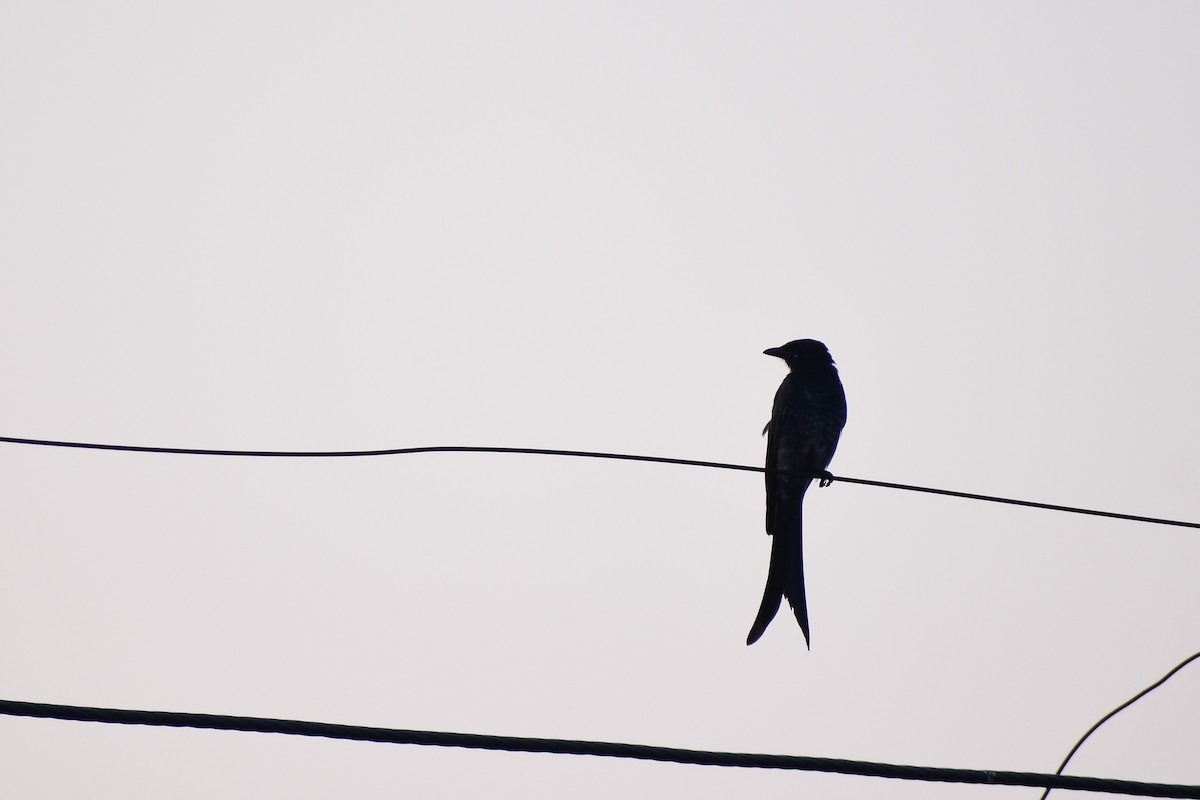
(774, 351)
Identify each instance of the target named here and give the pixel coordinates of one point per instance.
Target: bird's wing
(780, 411)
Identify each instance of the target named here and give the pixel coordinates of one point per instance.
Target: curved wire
(1117, 710)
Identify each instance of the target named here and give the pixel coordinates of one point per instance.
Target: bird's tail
(785, 577)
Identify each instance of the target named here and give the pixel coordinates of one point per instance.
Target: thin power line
(521, 744)
(400, 451)
(1118, 710)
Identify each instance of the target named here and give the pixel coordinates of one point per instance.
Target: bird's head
(802, 353)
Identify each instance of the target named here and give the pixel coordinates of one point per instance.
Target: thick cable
(522, 744)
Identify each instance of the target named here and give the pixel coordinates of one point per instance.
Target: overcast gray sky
(357, 225)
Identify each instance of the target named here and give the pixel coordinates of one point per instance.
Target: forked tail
(785, 577)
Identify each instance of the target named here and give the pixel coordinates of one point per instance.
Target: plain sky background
(353, 225)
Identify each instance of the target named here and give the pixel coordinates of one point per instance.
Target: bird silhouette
(806, 421)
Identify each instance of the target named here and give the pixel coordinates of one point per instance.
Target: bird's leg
(825, 477)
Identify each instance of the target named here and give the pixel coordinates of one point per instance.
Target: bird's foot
(824, 478)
